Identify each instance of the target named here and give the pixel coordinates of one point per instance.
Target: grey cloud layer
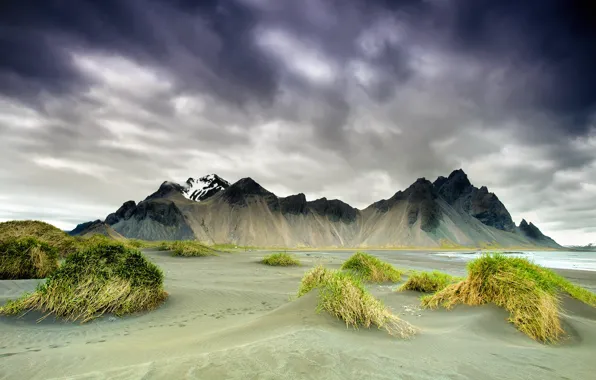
(351, 99)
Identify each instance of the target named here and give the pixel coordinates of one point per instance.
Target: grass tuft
(428, 282)
(345, 297)
(136, 243)
(187, 248)
(529, 292)
(106, 278)
(281, 260)
(24, 258)
(371, 269)
(43, 232)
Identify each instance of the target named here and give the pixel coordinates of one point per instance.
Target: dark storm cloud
(375, 91)
(209, 44)
(216, 35)
(556, 34)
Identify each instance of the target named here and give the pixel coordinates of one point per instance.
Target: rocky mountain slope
(448, 212)
(96, 227)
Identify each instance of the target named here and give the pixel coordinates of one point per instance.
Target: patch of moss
(23, 258)
(526, 290)
(105, 278)
(281, 260)
(370, 268)
(345, 297)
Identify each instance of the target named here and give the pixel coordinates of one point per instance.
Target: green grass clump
(86, 242)
(281, 260)
(428, 282)
(449, 244)
(187, 248)
(106, 278)
(345, 297)
(23, 258)
(136, 243)
(44, 232)
(529, 292)
(371, 269)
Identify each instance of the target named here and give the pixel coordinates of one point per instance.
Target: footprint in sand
(95, 341)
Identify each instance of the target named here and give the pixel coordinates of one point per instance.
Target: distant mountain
(448, 212)
(96, 227)
(590, 247)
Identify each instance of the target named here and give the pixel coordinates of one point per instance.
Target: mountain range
(449, 212)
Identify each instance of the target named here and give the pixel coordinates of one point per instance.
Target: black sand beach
(229, 317)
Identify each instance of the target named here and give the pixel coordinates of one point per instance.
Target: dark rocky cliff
(483, 205)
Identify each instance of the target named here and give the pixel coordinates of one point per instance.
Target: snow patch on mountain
(203, 188)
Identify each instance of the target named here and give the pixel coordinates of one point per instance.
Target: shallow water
(550, 259)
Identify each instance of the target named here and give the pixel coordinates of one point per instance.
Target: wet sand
(229, 317)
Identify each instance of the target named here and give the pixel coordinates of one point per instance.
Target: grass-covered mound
(22, 258)
(371, 269)
(281, 260)
(44, 232)
(345, 297)
(106, 278)
(529, 292)
(187, 248)
(428, 282)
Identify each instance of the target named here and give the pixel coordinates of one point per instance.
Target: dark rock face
(80, 228)
(334, 209)
(293, 204)
(239, 193)
(531, 231)
(440, 181)
(454, 187)
(159, 210)
(421, 197)
(421, 202)
(164, 212)
(487, 208)
(124, 212)
(165, 189)
(479, 203)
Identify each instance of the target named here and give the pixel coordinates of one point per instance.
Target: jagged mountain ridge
(448, 211)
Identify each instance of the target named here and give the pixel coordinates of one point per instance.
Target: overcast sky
(101, 101)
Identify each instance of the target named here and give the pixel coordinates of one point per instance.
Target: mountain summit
(448, 212)
(204, 187)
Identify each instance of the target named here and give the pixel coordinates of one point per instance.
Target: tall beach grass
(105, 278)
(344, 296)
(530, 293)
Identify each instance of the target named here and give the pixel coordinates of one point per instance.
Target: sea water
(551, 259)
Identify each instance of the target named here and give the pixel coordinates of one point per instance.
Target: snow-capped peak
(204, 187)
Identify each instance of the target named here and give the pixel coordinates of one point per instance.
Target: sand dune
(229, 317)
